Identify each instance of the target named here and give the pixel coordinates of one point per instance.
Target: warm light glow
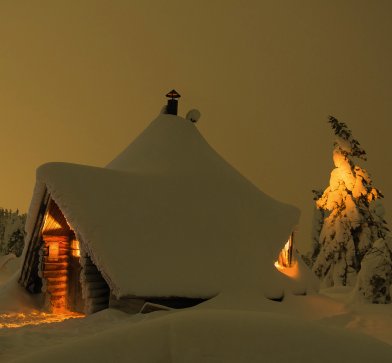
(75, 248)
(285, 255)
(50, 224)
(53, 251)
(285, 263)
(288, 271)
(17, 320)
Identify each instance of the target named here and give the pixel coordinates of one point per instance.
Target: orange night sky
(81, 79)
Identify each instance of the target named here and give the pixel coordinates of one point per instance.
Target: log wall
(54, 271)
(29, 275)
(95, 290)
(75, 300)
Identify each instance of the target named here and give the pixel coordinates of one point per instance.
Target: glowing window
(286, 263)
(285, 258)
(75, 248)
(54, 251)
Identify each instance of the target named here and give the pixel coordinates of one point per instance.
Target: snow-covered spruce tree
(16, 242)
(374, 282)
(352, 221)
(317, 224)
(11, 232)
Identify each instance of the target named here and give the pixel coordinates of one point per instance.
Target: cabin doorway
(59, 265)
(286, 257)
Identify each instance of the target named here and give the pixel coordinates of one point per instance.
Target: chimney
(172, 102)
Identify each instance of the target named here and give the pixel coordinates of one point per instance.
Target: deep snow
(240, 326)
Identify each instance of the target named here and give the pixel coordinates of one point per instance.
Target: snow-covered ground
(236, 326)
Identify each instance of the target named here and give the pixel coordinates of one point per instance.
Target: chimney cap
(173, 94)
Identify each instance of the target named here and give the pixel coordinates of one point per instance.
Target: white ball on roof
(193, 115)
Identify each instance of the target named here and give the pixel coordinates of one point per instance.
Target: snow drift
(219, 336)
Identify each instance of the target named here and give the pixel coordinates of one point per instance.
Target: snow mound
(14, 298)
(374, 283)
(218, 336)
(9, 264)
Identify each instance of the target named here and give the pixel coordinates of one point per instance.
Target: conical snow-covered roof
(170, 217)
(172, 146)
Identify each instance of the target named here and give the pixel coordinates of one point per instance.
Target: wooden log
(61, 252)
(55, 290)
(54, 283)
(57, 295)
(29, 271)
(90, 270)
(57, 284)
(62, 248)
(56, 298)
(95, 290)
(97, 293)
(55, 266)
(92, 278)
(56, 280)
(26, 276)
(59, 259)
(96, 285)
(60, 300)
(61, 245)
(55, 239)
(88, 263)
(47, 286)
(57, 273)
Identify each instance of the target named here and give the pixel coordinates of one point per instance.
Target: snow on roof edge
(32, 213)
(84, 242)
(39, 192)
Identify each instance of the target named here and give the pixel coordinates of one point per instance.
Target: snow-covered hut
(168, 221)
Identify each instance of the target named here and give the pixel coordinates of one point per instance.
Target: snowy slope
(246, 329)
(197, 336)
(169, 216)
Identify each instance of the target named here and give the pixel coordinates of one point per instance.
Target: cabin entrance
(286, 262)
(59, 265)
(285, 258)
(56, 266)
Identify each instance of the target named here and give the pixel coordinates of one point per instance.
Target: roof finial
(172, 103)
